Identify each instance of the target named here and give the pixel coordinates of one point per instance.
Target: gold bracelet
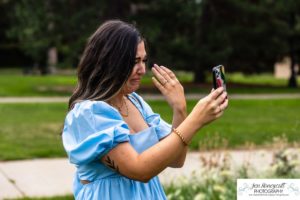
(180, 135)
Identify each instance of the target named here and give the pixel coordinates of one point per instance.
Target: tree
(247, 36)
(171, 29)
(29, 25)
(197, 35)
(64, 25)
(10, 55)
(287, 14)
(241, 34)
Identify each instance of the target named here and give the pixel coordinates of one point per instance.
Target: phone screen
(219, 77)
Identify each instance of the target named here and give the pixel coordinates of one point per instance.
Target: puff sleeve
(153, 119)
(91, 130)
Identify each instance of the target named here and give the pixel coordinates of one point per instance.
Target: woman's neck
(119, 102)
(118, 99)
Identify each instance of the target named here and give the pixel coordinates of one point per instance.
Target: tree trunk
(52, 60)
(199, 76)
(293, 78)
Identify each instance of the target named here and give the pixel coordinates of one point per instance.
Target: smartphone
(219, 77)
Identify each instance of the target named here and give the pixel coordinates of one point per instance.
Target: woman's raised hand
(165, 80)
(205, 111)
(210, 107)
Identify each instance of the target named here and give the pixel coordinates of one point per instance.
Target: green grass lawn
(33, 130)
(246, 122)
(16, 84)
(70, 197)
(252, 122)
(257, 79)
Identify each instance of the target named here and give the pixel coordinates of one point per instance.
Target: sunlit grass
(19, 85)
(33, 130)
(246, 122)
(13, 83)
(257, 79)
(70, 197)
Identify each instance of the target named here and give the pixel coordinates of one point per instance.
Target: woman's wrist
(188, 128)
(193, 122)
(180, 109)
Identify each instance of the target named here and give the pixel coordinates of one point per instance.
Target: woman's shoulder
(140, 102)
(88, 108)
(136, 95)
(139, 99)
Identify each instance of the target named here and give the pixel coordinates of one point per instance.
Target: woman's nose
(141, 69)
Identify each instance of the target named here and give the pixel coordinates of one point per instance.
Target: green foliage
(246, 36)
(285, 161)
(40, 25)
(284, 167)
(31, 25)
(169, 28)
(241, 34)
(217, 181)
(214, 180)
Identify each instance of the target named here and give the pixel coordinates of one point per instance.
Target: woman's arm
(173, 91)
(142, 167)
(179, 116)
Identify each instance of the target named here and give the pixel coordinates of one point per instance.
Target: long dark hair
(107, 61)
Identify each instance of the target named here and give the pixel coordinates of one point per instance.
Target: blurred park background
(258, 42)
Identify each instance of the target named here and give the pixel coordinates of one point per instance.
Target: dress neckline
(133, 100)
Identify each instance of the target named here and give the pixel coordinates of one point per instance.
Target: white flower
(219, 188)
(222, 197)
(183, 180)
(226, 173)
(180, 198)
(294, 163)
(177, 192)
(274, 167)
(170, 196)
(286, 153)
(194, 187)
(200, 196)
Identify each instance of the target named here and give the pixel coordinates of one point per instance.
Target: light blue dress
(91, 130)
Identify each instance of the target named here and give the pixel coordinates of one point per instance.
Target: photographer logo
(264, 189)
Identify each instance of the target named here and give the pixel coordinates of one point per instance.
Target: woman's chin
(131, 89)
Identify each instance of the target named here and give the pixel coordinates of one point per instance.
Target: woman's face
(139, 70)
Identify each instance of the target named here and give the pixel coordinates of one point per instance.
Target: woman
(117, 143)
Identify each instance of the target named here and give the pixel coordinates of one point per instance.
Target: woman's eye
(144, 61)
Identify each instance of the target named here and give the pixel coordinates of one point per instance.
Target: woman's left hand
(165, 80)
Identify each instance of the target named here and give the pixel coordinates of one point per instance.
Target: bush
(216, 181)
